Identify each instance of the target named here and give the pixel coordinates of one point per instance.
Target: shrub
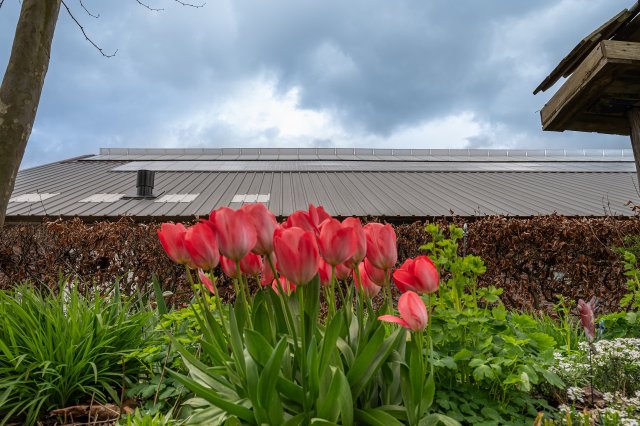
(65, 348)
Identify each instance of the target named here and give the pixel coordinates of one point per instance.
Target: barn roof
(393, 183)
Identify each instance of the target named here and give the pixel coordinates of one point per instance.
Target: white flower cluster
(622, 412)
(605, 351)
(575, 394)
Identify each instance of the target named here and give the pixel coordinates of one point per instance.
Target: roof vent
(144, 184)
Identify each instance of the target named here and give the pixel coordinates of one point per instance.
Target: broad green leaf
(331, 334)
(159, 294)
(337, 401)
(232, 408)
(483, 371)
(267, 384)
(369, 360)
(235, 334)
(428, 393)
(375, 417)
(258, 347)
(438, 419)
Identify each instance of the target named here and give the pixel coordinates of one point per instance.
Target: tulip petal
(391, 318)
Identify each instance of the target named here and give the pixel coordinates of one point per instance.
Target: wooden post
(634, 122)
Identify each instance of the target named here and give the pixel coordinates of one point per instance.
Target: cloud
(375, 73)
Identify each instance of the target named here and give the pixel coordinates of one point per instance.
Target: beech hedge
(532, 259)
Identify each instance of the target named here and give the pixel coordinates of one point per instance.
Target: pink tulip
(297, 253)
(300, 219)
(343, 272)
(318, 215)
(413, 312)
(206, 281)
(265, 223)
(172, 239)
(228, 267)
(378, 276)
(419, 275)
(307, 220)
(360, 239)
(370, 288)
(235, 232)
(337, 243)
(251, 264)
(587, 318)
(287, 286)
(202, 245)
(381, 245)
(324, 271)
(266, 275)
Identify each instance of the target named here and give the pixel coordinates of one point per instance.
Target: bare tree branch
(189, 4)
(85, 34)
(86, 10)
(1, 1)
(148, 7)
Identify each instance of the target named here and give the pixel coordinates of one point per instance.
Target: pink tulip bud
(413, 312)
(381, 245)
(202, 245)
(172, 239)
(370, 288)
(337, 243)
(206, 281)
(378, 276)
(587, 318)
(297, 253)
(287, 286)
(265, 224)
(360, 238)
(419, 275)
(235, 232)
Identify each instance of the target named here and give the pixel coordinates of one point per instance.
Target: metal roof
(598, 182)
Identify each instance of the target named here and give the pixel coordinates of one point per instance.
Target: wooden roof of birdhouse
(604, 79)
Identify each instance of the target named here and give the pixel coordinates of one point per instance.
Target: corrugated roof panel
(518, 189)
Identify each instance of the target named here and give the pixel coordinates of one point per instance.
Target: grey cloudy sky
(298, 73)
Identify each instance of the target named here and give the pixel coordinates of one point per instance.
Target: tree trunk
(22, 86)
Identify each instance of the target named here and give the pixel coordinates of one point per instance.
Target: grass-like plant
(61, 348)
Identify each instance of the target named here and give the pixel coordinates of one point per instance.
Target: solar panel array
(375, 166)
(358, 154)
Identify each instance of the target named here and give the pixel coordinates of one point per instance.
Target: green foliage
(271, 361)
(480, 349)
(156, 390)
(620, 324)
(140, 418)
(64, 348)
(631, 300)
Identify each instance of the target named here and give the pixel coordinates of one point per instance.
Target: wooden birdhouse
(602, 91)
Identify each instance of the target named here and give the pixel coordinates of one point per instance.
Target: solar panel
(372, 166)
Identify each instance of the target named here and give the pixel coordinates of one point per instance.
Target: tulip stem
(243, 294)
(189, 276)
(331, 301)
(276, 276)
(218, 302)
(359, 298)
(303, 349)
